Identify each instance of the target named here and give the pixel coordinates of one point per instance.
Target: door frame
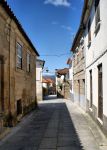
(100, 65)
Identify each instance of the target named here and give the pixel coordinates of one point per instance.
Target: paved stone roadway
(52, 127)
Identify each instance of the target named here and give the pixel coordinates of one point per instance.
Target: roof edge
(7, 8)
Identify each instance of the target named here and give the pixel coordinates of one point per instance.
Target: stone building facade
(17, 68)
(79, 69)
(62, 83)
(70, 62)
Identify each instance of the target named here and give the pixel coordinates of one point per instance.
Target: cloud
(66, 27)
(55, 23)
(73, 8)
(64, 3)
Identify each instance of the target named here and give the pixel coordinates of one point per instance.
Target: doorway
(1, 85)
(91, 90)
(19, 107)
(100, 92)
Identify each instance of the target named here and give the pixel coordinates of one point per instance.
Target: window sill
(100, 121)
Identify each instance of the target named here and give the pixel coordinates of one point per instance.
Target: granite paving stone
(59, 124)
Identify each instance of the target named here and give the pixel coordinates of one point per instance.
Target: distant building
(70, 63)
(79, 68)
(62, 83)
(17, 68)
(39, 69)
(49, 86)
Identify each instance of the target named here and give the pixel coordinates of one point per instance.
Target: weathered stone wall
(4, 56)
(79, 77)
(17, 84)
(39, 90)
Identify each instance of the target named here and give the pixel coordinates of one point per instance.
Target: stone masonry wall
(18, 84)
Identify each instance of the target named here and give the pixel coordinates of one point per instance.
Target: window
(97, 16)
(77, 58)
(19, 56)
(74, 62)
(89, 33)
(82, 52)
(28, 62)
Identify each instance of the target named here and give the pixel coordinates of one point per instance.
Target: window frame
(19, 56)
(97, 16)
(89, 33)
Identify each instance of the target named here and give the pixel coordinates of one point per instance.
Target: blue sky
(51, 26)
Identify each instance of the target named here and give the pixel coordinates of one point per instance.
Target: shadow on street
(49, 128)
(50, 97)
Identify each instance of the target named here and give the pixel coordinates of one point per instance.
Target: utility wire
(55, 55)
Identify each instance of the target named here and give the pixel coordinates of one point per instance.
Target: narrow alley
(53, 75)
(58, 125)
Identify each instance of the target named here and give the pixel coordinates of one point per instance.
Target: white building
(39, 68)
(95, 20)
(93, 27)
(69, 62)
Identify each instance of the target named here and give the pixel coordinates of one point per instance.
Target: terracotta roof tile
(63, 71)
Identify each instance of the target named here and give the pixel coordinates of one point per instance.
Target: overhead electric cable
(55, 55)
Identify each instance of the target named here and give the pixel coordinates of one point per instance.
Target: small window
(82, 52)
(28, 62)
(19, 56)
(19, 107)
(91, 90)
(77, 58)
(89, 33)
(74, 62)
(97, 16)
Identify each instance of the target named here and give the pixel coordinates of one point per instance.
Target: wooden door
(91, 90)
(19, 107)
(100, 93)
(0, 87)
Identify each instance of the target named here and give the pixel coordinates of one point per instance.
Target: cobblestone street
(57, 125)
